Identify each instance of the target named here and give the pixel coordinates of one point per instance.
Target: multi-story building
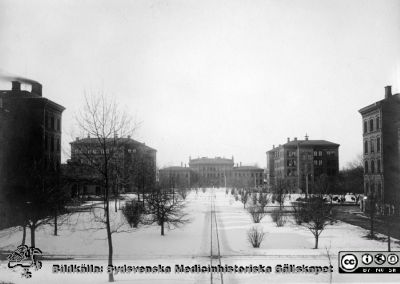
(175, 177)
(381, 149)
(212, 172)
(246, 176)
(134, 165)
(299, 163)
(30, 135)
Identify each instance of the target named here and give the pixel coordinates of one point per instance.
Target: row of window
(99, 151)
(373, 124)
(374, 188)
(318, 162)
(372, 145)
(52, 144)
(52, 123)
(372, 167)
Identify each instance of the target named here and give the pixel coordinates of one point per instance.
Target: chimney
(77, 139)
(388, 91)
(240, 163)
(16, 86)
(288, 139)
(306, 137)
(36, 89)
(273, 146)
(295, 138)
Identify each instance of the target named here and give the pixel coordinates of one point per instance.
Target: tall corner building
(381, 149)
(30, 135)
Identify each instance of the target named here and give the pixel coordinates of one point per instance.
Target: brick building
(300, 162)
(134, 165)
(30, 136)
(381, 149)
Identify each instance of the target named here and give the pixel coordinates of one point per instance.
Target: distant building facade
(300, 162)
(30, 136)
(246, 176)
(381, 150)
(212, 172)
(175, 177)
(134, 164)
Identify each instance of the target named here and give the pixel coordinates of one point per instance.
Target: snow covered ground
(82, 239)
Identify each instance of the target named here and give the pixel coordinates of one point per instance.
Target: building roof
(175, 168)
(31, 97)
(205, 160)
(121, 140)
(307, 142)
(378, 104)
(247, 168)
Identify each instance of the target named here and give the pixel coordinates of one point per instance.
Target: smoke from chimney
(36, 86)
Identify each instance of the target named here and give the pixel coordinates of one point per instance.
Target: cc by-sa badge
(349, 262)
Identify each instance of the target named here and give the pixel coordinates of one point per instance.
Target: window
(372, 167)
(52, 144)
(46, 120)
(320, 153)
(46, 144)
(52, 123)
(315, 153)
(320, 162)
(378, 144)
(366, 167)
(372, 146)
(58, 144)
(365, 126)
(58, 124)
(365, 147)
(378, 123)
(378, 164)
(371, 125)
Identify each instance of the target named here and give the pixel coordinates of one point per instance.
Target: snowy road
(216, 235)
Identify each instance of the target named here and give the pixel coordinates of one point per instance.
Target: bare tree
(244, 196)
(103, 119)
(263, 199)
(165, 210)
(316, 215)
(280, 191)
(38, 199)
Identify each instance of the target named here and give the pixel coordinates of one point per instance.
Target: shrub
(133, 212)
(279, 218)
(183, 192)
(256, 213)
(255, 236)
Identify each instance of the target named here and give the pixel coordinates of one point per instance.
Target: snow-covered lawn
(85, 241)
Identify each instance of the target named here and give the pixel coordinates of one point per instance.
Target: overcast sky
(212, 78)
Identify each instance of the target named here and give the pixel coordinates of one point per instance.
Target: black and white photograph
(199, 141)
